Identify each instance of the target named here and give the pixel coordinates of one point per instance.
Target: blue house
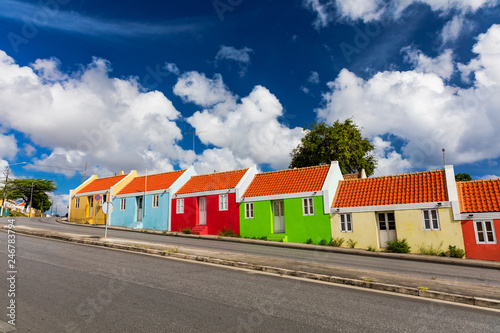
(145, 202)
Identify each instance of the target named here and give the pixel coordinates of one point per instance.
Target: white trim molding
(203, 194)
(138, 194)
(284, 196)
(245, 181)
(451, 187)
(424, 205)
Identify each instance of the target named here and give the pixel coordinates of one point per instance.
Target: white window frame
(308, 206)
(223, 202)
(179, 206)
(77, 203)
(123, 203)
(249, 210)
(156, 200)
(345, 222)
(431, 220)
(484, 232)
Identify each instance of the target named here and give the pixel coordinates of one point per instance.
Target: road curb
(311, 247)
(85, 239)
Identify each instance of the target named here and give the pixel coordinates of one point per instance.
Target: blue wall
(156, 218)
(152, 218)
(124, 218)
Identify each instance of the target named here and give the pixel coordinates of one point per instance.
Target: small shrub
(351, 243)
(431, 250)
(454, 252)
(337, 242)
(227, 232)
(164, 232)
(187, 231)
(309, 241)
(368, 280)
(371, 248)
(322, 242)
(423, 288)
(398, 246)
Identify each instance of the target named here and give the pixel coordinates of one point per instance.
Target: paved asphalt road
(475, 275)
(66, 287)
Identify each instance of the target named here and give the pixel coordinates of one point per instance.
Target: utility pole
(31, 198)
(195, 133)
(5, 185)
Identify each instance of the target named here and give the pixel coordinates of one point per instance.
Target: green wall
(298, 228)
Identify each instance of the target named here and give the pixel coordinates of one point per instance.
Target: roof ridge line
(161, 173)
(295, 169)
(218, 173)
(395, 176)
(479, 181)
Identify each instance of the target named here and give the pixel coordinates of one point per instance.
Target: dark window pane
(392, 225)
(390, 216)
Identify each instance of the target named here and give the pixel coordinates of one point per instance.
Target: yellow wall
(409, 225)
(81, 214)
(364, 230)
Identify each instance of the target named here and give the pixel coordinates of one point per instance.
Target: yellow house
(415, 206)
(84, 206)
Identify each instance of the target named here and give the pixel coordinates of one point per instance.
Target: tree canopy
(21, 189)
(341, 142)
(463, 177)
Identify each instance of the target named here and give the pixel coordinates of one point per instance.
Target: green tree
(22, 189)
(463, 177)
(341, 142)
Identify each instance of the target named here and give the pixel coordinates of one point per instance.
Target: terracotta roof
(213, 182)
(101, 184)
(479, 196)
(155, 182)
(288, 181)
(429, 186)
(351, 176)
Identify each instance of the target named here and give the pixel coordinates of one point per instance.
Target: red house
(209, 203)
(480, 211)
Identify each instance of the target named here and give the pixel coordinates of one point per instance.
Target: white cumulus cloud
(419, 107)
(249, 127)
(87, 116)
(372, 10)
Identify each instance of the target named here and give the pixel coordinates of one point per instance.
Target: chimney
(363, 173)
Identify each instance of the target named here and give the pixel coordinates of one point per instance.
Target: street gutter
(174, 252)
(311, 247)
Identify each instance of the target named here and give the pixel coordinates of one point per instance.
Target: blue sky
(118, 85)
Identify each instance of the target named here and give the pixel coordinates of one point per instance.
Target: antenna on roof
(84, 171)
(444, 157)
(194, 152)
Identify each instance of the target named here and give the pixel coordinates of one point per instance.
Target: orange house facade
(480, 213)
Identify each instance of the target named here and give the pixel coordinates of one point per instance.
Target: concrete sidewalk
(311, 247)
(454, 291)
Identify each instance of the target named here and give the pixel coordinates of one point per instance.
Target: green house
(290, 205)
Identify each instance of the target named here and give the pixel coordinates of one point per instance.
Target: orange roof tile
(213, 182)
(479, 196)
(101, 184)
(155, 182)
(288, 181)
(429, 186)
